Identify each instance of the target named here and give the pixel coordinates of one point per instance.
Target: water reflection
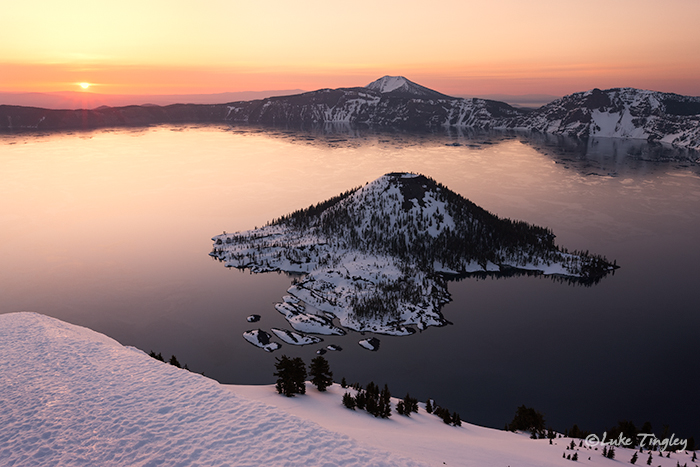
(111, 229)
(591, 157)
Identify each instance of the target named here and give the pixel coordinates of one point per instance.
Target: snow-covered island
(376, 257)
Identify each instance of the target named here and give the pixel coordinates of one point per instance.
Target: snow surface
(72, 396)
(426, 438)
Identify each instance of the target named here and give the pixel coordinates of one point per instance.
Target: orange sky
(457, 47)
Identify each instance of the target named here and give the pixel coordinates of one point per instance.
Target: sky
(458, 47)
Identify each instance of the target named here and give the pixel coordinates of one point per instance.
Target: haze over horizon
(457, 48)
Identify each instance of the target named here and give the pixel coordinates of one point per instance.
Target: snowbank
(71, 396)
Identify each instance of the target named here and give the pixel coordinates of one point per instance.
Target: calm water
(111, 230)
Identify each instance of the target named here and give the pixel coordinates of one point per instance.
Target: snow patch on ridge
(387, 84)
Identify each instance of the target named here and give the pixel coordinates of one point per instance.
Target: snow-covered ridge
(374, 256)
(71, 396)
(396, 102)
(622, 113)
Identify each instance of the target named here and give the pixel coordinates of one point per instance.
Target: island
(378, 257)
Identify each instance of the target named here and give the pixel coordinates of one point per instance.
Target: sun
(84, 85)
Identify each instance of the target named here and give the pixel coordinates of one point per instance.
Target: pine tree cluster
(173, 359)
(528, 419)
(449, 419)
(291, 375)
(371, 399)
(407, 405)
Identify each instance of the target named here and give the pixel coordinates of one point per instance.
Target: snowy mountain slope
(388, 102)
(621, 113)
(394, 101)
(424, 437)
(71, 396)
(373, 256)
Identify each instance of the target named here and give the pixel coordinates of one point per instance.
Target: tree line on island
(477, 236)
(378, 224)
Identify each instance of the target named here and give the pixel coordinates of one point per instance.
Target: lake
(111, 230)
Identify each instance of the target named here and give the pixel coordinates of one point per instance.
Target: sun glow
(84, 85)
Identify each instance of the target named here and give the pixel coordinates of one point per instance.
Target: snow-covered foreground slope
(424, 437)
(71, 396)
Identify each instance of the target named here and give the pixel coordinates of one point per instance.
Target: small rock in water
(321, 351)
(337, 348)
(295, 338)
(370, 344)
(260, 338)
(253, 318)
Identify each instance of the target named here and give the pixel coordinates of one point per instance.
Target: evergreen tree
(361, 399)
(291, 373)
(575, 457)
(400, 409)
(321, 374)
(173, 361)
(157, 356)
(299, 375)
(634, 458)
(349, 401)
(343, 383)
(611, 453)
(527, 419)
(650, 459)
(385, 398)
(429, 406)
(407, 405)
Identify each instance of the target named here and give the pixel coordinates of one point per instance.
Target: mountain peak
(388, 83)
(398, 85)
